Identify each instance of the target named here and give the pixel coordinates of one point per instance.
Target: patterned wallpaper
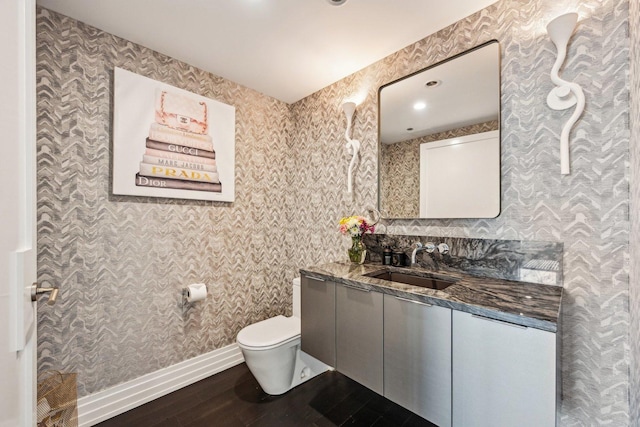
(400, 170)
(634, 288)
(121, 261)
(588, 210)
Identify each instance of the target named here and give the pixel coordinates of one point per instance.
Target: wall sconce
(353, 145)
(565, 94)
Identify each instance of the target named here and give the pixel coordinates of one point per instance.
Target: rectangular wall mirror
(439, 132)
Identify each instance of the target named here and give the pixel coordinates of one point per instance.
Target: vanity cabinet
(359, 339)
(318, 318)
(450, 367)
(504, 375)
(417, 358)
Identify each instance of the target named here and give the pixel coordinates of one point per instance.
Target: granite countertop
(526, 304)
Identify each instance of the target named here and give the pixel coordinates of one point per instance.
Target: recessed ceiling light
(419, 105)
(409, 129)
(336, 2)
(432, 83)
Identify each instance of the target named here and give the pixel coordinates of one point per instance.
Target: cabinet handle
(414, 302)
(355, 288)
(316, 278)
(502, 322)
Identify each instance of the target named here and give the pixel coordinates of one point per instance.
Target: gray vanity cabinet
(504, 375)
(359, 353)
(318, 318)
(417, 358)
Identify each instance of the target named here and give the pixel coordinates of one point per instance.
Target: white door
(17, 214)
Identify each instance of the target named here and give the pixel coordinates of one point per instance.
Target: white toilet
(271, 349)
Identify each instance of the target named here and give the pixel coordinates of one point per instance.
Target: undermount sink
(411, 279)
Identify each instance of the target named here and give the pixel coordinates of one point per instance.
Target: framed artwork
(168, 142)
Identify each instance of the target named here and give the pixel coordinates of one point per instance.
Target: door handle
(53, 293)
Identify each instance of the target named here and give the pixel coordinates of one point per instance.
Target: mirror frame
(383, 214)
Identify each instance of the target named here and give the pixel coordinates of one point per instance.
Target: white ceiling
(287, 49)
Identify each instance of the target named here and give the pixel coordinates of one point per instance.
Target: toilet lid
(269, 332)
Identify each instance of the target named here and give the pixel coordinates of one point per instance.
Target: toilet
(271, 350)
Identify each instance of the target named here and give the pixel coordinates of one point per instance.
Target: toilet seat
(269, 333)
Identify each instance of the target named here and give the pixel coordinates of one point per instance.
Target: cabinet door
(318, 318)
(359, 335)
(417, 358)
(504, 375)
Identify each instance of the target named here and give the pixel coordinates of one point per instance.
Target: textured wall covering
(588, 210)
(400, 170)
(634, 286)
(121, 261)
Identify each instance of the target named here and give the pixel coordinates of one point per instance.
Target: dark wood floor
(234, 398)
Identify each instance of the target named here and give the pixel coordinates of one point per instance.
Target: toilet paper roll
(196, 292)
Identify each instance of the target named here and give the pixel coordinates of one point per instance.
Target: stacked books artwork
(179, 150)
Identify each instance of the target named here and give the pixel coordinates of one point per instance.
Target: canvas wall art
(168, 142)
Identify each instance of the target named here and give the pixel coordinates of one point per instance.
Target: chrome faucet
(418, 248)
(429, 247)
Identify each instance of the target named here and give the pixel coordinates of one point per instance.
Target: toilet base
(306, 368)
(279, 371)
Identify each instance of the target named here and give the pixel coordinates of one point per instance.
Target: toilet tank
(296, 297)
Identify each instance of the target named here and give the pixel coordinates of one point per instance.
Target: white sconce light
(353, 145)
(565, 94)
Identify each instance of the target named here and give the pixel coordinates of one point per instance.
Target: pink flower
(355, 226)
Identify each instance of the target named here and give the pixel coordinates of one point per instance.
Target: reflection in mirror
(452, 111)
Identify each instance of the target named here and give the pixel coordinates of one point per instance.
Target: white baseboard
(105, 404)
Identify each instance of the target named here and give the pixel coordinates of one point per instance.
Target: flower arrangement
(356, 226)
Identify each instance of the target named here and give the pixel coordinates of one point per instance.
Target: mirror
(439, 139)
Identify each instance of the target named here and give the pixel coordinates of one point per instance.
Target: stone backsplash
(525, 261)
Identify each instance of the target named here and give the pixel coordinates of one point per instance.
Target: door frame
(18, 199)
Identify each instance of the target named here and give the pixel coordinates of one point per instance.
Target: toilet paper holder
(193, 293)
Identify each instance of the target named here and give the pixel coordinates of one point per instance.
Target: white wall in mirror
(460, 177)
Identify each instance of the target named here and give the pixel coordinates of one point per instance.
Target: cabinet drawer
(318, 318)
(359, 336)
(503, 374)
(417, 358)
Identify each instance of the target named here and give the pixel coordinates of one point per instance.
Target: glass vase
(357, 251)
